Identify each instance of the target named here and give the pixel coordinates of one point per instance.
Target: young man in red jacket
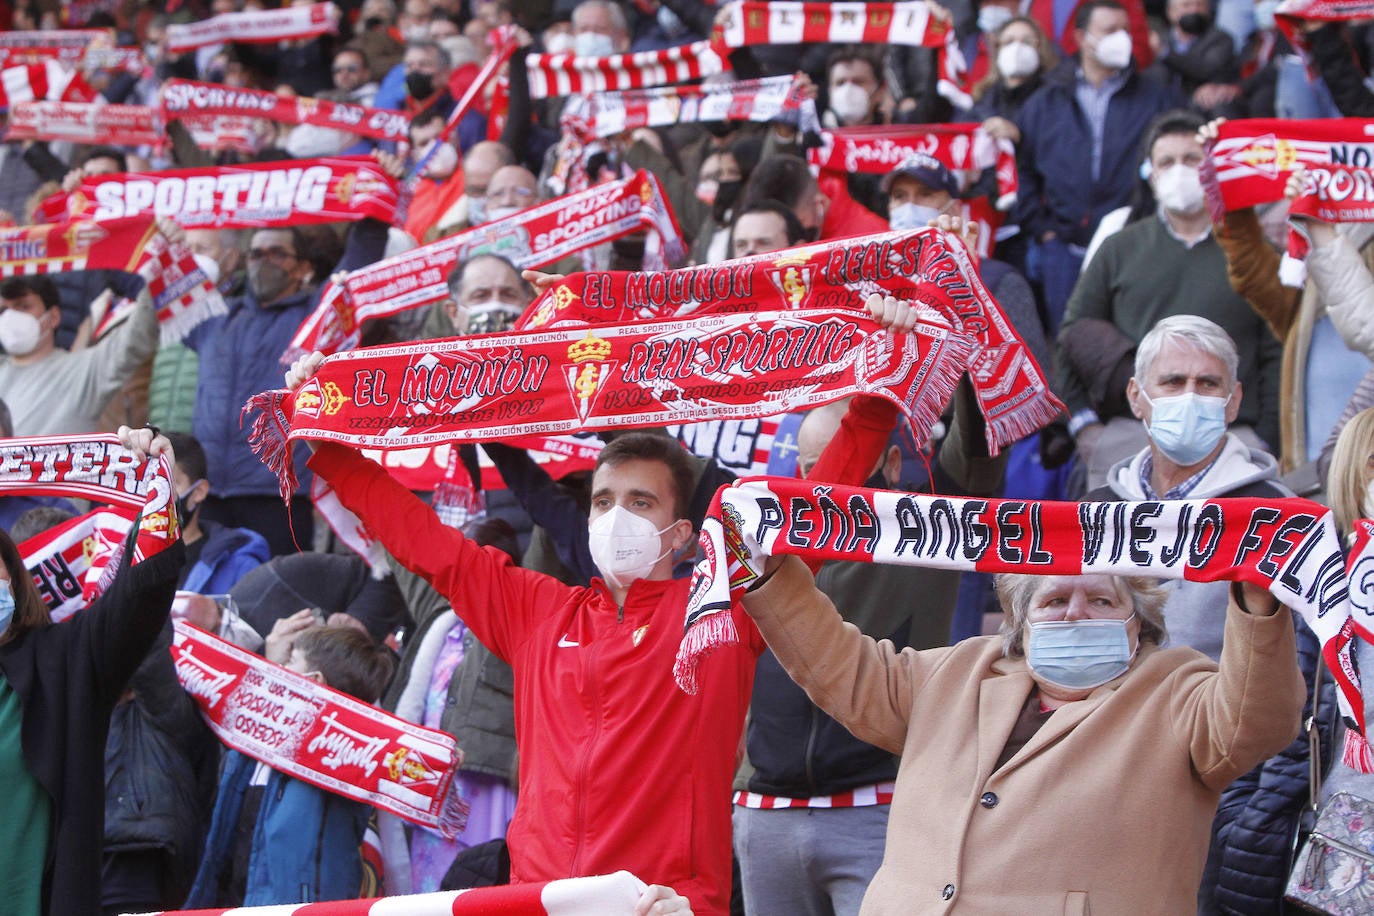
(619, 769)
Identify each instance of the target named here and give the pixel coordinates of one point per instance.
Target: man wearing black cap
(52, 391)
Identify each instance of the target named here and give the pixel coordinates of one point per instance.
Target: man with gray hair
(1185, 392)
(599, 29)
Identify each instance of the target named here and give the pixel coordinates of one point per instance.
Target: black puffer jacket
(1258, 813)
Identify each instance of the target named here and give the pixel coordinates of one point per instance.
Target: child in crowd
(274, 839)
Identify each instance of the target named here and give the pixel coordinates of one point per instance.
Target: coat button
(988, 800)
(948, 892)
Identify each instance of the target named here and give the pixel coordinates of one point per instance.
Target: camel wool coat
(1108, 809)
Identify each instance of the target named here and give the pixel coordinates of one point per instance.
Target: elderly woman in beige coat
(1071, 765)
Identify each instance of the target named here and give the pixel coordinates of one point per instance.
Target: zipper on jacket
(587, 669)
(620, 613)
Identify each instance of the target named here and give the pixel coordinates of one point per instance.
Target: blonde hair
(1348, 478)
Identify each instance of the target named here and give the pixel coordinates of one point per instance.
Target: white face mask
(19, 332)
(1114, 50)
(477, 210)
(1179, 189)
(495, 213)
(593, 44)
(911, 216)
(442, 164)
(558, 43)
(625, 546)
(1016, 59)
(850, 102)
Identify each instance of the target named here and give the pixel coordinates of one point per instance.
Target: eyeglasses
(272, 254)
(347, 68)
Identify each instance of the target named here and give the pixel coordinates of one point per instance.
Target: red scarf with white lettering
(923, 265)
(320, 735)
(66, 561)
(1289, 546)
(185, 97)
(1251, 160)
(97, 468)
(259, 195)
(85, 122)
(605, 114)
(536, 237)
(182, 294)
(604, 895)
(878, 149)
(84, 49)
(255, 27)
(649, 373)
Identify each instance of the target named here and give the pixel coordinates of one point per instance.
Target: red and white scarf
(31, 46)
(185, 97)
(878, 149)
(254, 196)
(1251, 160)
(605, 114)
(48, 80)
(100, 469)
(651, 373)
(1291, 14)
(182, 294)
(255, 27)
(782, 22)
(555, 75)
(1289, 546)
(67, 561)
(924, 265)
(599, 895)
(85, 122)
(320, 735)
(535, 237)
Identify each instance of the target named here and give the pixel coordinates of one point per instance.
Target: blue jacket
(305, 843)
(228, 555)
(240, 356)
(1054, 158)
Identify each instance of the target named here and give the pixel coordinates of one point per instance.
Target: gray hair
(1192, 331)
(440, 54)
(1015, 591)
(618, 21)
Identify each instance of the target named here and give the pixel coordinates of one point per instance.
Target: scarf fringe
(268, 436)
(1024, 421)
(708, 634)
(179, 322)
(1357, 754)
(453, 815)
(937, 388)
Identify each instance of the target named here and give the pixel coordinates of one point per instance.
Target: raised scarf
(182, 294)
(555, 75)
(782, 22)
(1289, 546)
(255, 27)
(536, 237)
(185, 97)
(320, 735)
(259, 195)
(98, 468)
(878, 149)
(924, 265)
(650, 373)
(66, 561)
(1251, 160)
(46, 80)
(84, 49)
(599, 895)
(605, 114)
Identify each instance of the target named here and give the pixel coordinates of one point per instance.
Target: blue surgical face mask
(911, 216)
(6, 607)
(1186, 427)
(1079, 654)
